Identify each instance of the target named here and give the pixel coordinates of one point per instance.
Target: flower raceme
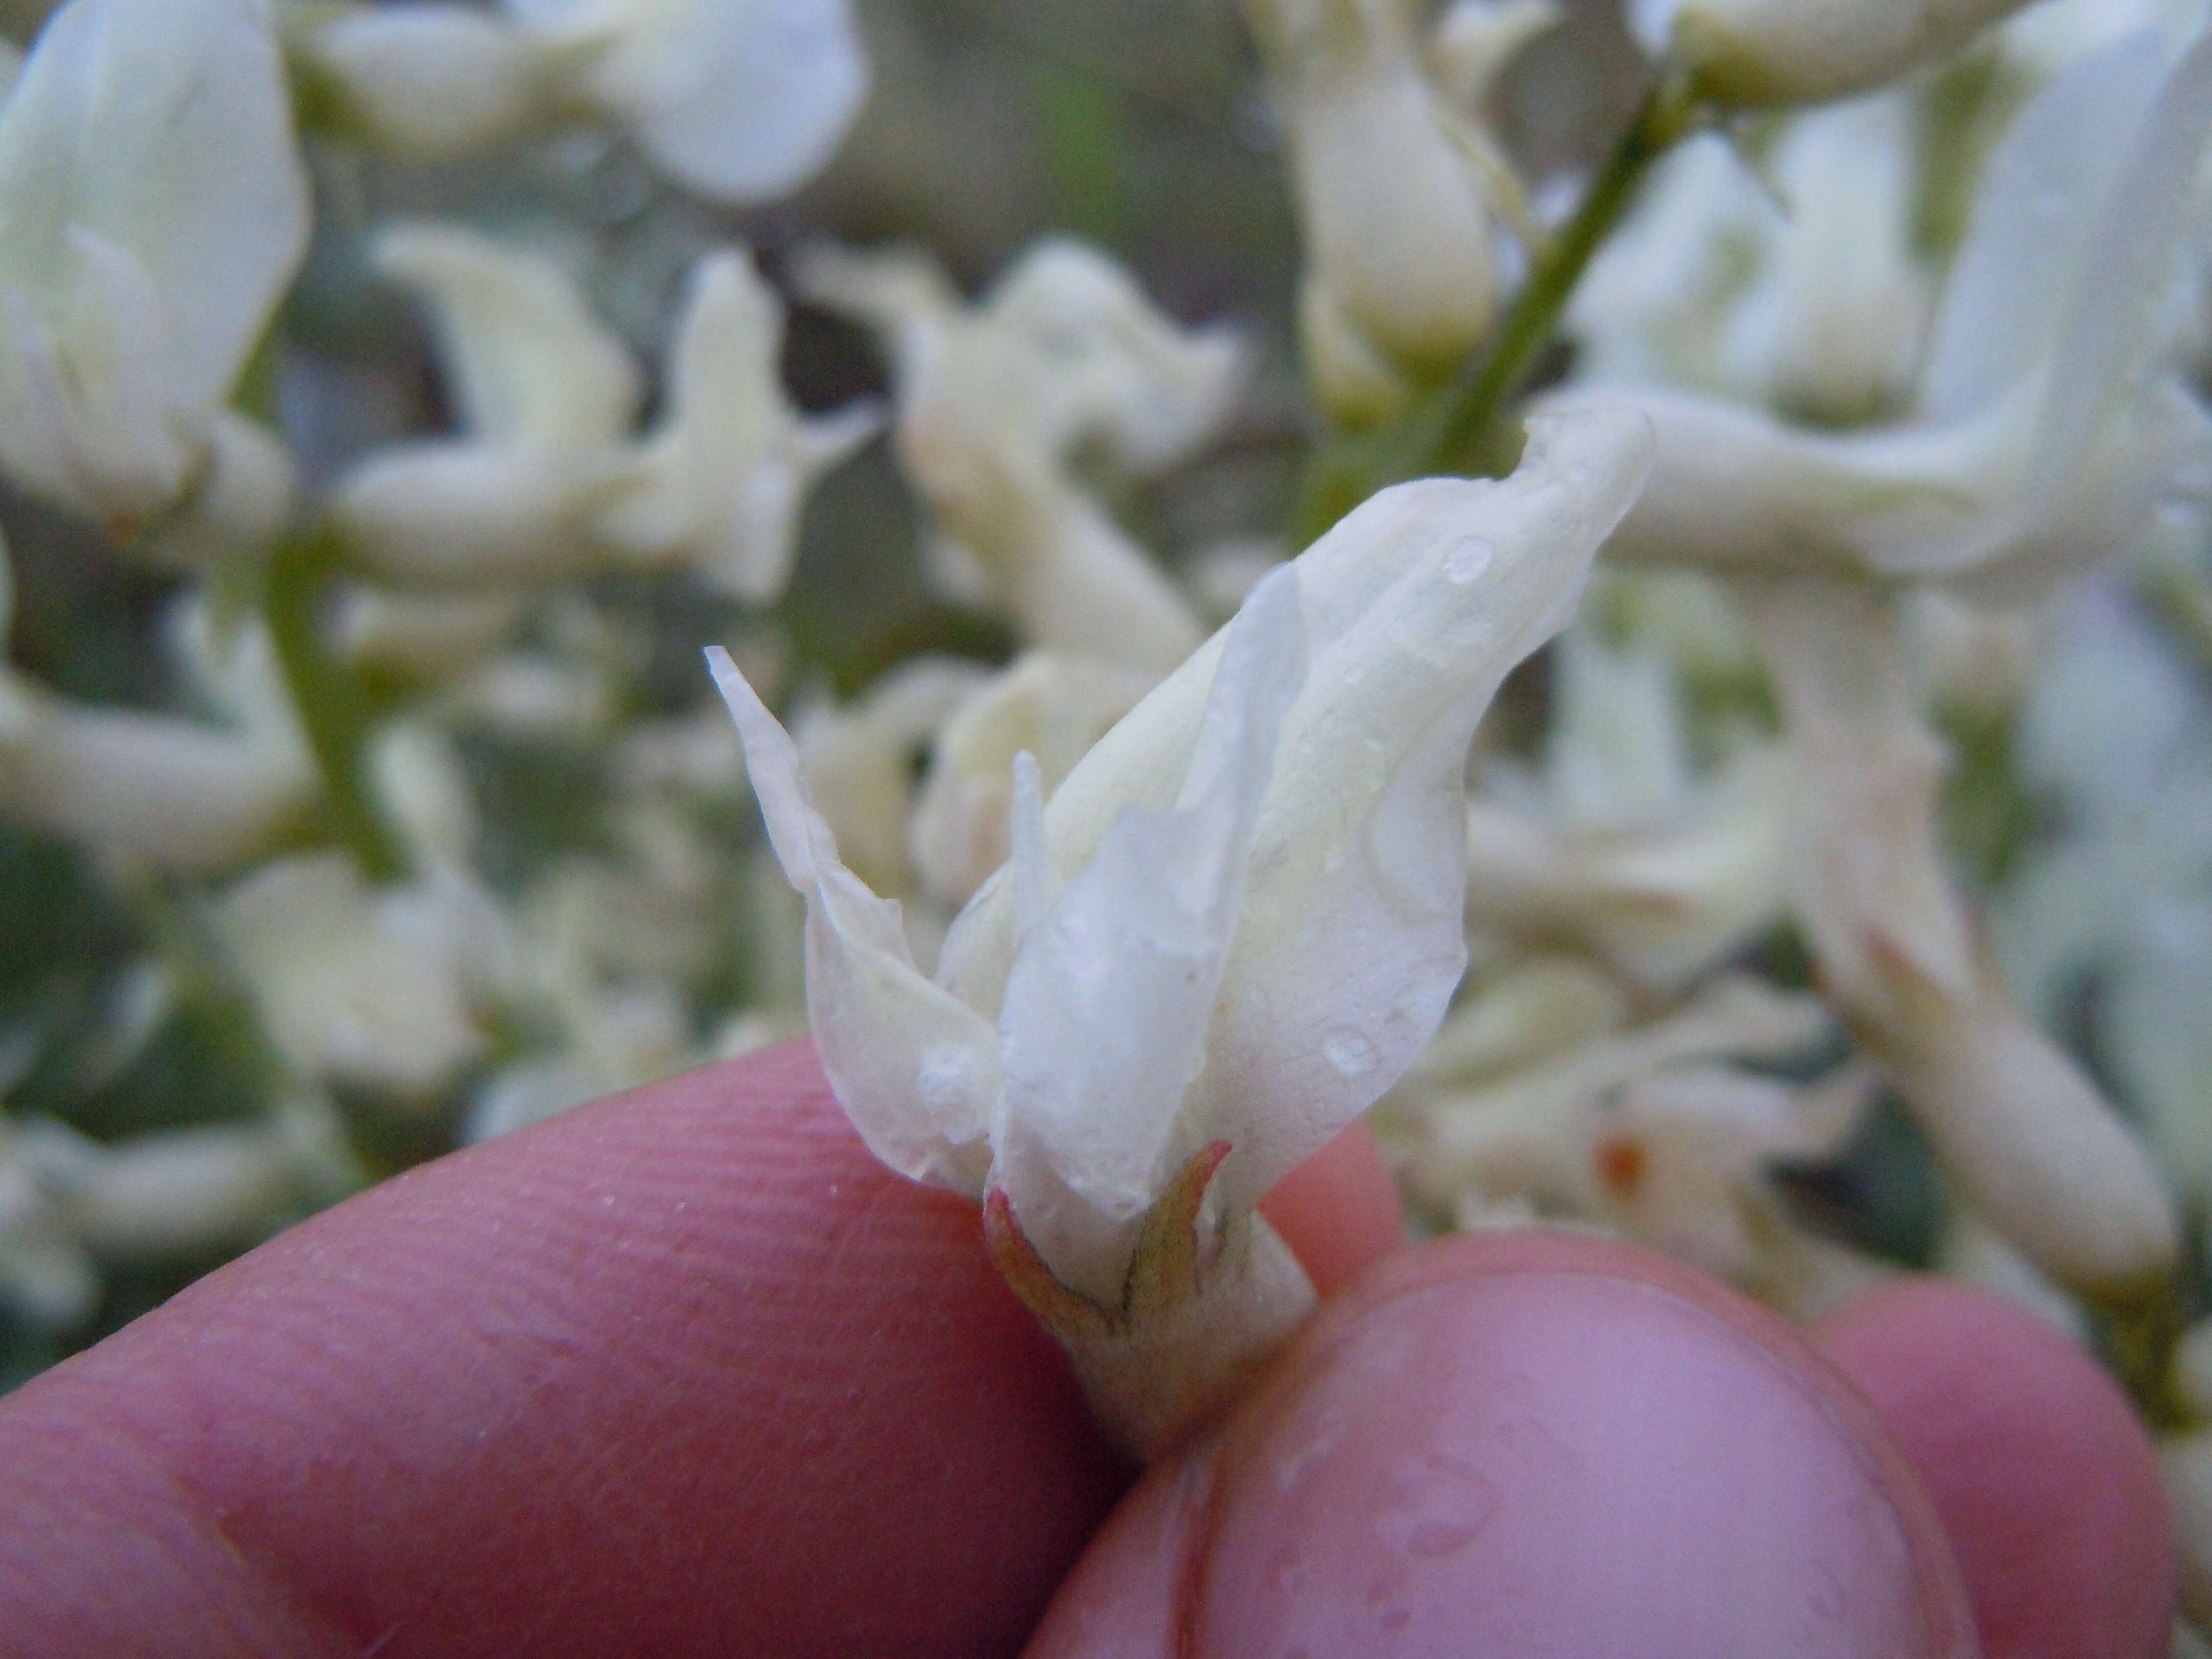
(1236, 923)
(2049, 423)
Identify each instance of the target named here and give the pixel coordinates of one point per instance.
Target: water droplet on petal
(1469, 560)
(1349, 1052)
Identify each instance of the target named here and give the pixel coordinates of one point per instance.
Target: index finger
(686, 1371)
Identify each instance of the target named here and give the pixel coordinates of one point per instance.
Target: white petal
(727, 472)
(2033, 221)
(529, 361)
(427, 82)
(178, 794)
(460, 515)
(1104, 1022)
(915, 1069)
(164, 128)
(742, 100)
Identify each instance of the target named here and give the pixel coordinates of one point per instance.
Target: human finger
(2047, 1486)
(1523, 1443)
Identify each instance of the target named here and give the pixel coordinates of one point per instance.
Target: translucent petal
(915, 1069)
(1104, 1022)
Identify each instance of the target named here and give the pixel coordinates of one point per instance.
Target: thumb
(1518, 1444)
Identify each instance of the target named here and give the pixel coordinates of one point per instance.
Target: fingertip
(1526, 1443)
(2044, 1480)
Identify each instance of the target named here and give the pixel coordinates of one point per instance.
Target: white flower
(385, 989)
(861, 761)
(424, 82)
(1235, 926)
(546, 483)
(176, 794)
(546, 397)
(2016, 1124)
(994, 397)
(152, 211)
(1619, 842)
(1399, 187)
(1804, 51)
(2049, 422)
(742, 100)
(2117, 732)
(726, 472)
(1510, 1102)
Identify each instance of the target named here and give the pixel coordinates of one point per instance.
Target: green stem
(1453, 429)
(329, 701)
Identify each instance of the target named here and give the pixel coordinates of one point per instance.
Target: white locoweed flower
(546, 481)
(545, 397)
(2023, 1132)
(2116, 734)
(1235, 925)
(1400, 190)
(387, 988)
(741, 100)
(723, 478)
(1805, 51)
(994, 398)
(169, 791)
(2049, 423)
(1515, 1112)
(1619, 843)
(152, 211)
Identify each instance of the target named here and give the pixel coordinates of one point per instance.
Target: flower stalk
(328, 700)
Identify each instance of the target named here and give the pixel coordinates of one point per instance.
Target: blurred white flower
(546, 483)
(152, 211)
(176, 794)
(993, 398)
(1805, 51)
(1236, 925)
(68, 1203)
(1052, 707)
(387, 988)
(545, 397)
(723, 475)
(1619, 843)
(1509, 1101)
(864, 762)
(741, 100)
(2022, 1131)
(1400, 189)
(2049, 423)
(2109, 914)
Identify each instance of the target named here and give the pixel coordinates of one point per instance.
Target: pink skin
(686, 1371)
